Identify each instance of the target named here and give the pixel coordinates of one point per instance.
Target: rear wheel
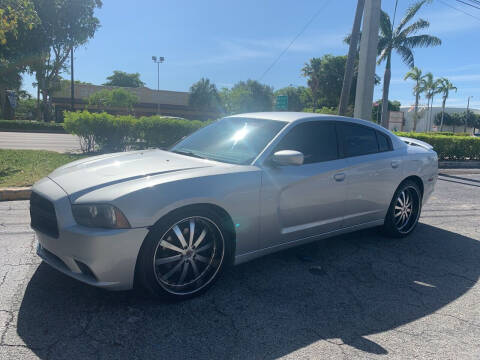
(404, 210)
(184, 253)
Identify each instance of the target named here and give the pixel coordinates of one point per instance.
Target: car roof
(292, 117)
(297, 116)
(280, 115)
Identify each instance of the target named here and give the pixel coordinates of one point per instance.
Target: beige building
(426, 118)
(168, 103)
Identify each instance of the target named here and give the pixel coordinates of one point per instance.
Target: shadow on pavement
(363, 284)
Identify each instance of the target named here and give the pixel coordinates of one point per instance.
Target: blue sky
(227, 41)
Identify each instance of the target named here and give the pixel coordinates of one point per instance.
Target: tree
(247, 96)
(468, 119)
(444, 88)
(108, 99)
(416, 75)
(430, 87)
(325, 79)
(15, 15)
(299, 97)
(455, 119)
(65, 24)
(123, 79)
(204, 97)
(18, 19)
(377, 108)
(403, 40)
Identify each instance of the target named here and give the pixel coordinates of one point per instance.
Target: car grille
(42, 214)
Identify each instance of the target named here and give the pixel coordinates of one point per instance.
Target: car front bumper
(100, 257)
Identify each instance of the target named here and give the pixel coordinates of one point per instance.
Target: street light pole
(158, 61)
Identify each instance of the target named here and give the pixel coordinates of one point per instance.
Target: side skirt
(239, 259)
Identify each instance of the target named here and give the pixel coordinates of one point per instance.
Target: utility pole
(158, 61)
(352, 54)
(72, 85)
(368, 58)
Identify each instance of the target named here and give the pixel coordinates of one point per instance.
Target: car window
(383, 142)
(357, 140)
(316, 140)
(232, 140)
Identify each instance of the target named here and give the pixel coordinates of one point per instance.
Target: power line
(309, 22)
(462, 11)
(466, 3)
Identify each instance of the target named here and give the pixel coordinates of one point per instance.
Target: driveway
(39, 141)
(355, 296)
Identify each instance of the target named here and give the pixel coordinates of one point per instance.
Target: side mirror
(288, 157)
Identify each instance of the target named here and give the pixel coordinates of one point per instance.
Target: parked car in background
(242, 187)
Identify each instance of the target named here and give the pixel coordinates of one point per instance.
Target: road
(355, 296)
(39, 141)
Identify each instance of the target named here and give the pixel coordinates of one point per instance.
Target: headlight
(100, 216)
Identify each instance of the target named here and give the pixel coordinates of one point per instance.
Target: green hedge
(449, 147)
(105, 132)
(31, 126)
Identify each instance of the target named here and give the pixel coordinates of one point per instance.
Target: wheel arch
(227, 225)
(416, 179)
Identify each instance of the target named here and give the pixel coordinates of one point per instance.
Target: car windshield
(232, 140)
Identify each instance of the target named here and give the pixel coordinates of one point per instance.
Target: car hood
(105, 170)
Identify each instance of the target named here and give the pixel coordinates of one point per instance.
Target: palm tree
(403, 40)
(429, 86)
(416, 75)
(444, 88)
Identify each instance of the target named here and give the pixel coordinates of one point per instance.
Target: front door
(299, 201)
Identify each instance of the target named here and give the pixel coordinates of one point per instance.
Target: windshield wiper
(188, 153)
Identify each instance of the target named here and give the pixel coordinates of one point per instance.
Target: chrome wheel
(189, 255)
(406, 210)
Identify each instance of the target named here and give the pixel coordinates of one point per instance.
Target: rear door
(305, 200)
(372, 172)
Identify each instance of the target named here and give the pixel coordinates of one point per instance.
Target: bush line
(107, 133)
(449, 147)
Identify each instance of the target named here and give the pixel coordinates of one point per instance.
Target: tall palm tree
(416, 75)
(403, 40)
(444, 88)
(430, 87)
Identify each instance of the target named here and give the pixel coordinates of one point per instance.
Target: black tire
(172, 275)
(399, 222)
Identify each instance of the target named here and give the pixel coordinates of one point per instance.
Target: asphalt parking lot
(355, 296)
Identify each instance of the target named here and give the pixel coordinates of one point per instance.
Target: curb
(13, 194)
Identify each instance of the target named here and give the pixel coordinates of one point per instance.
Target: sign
(281, 103)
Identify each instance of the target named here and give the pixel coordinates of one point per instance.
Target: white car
(242, 187)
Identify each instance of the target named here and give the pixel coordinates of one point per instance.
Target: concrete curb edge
(13, 194)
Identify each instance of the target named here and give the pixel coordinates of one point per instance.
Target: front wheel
(404, 210)
(184, 254)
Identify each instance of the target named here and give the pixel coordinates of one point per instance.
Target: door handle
(395, 163)
(339, 177)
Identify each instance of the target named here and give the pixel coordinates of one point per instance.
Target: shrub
(450, 147)
(156, 131)
(31, 126)
(107, 133)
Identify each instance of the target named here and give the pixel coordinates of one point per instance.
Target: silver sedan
(242, 187)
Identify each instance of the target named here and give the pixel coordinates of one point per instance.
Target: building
(169, 103)
(426, 118)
